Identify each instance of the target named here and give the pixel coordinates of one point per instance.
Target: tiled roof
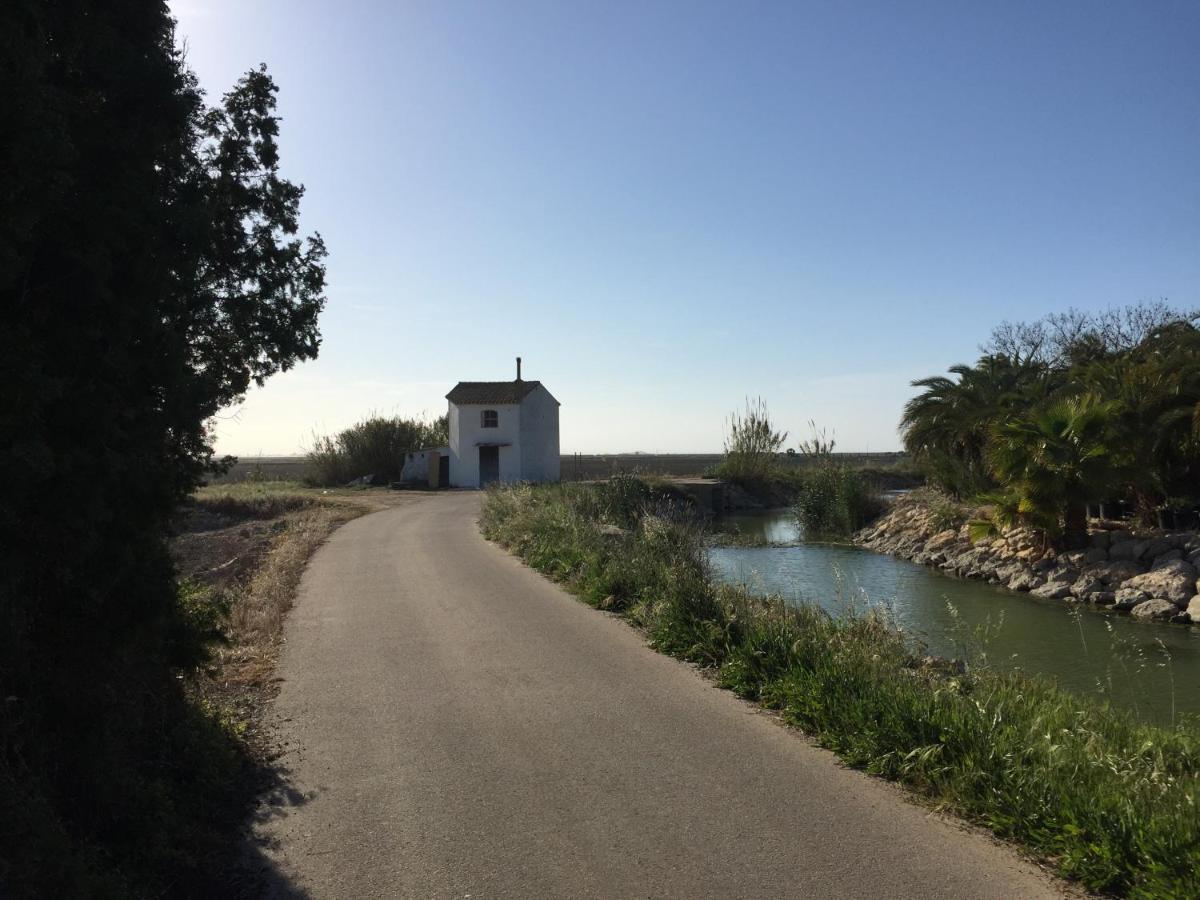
(468, 393)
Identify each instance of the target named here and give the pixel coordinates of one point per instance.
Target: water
(1083, 649)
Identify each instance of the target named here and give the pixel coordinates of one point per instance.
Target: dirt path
(463, 728)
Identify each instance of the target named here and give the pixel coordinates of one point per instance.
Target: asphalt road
(460, 727)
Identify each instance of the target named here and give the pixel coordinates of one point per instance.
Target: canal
(1152, 669)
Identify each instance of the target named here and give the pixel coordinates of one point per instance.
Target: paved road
(466, 729)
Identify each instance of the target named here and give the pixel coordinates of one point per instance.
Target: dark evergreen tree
(149, 273)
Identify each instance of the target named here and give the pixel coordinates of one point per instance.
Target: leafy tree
(149, 272)
(1056, 460)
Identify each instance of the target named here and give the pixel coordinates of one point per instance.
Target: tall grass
(1110, 800)
(834, 500)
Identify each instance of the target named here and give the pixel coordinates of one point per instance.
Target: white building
(499, 431)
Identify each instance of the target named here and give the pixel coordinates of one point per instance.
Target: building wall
(540, 459)
(467, 432)
(416, 464)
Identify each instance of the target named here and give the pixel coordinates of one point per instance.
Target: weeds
(1110, 800)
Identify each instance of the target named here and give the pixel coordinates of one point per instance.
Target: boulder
(1176, 582)
(1086, 585)
(1155, 609)
(1128, 598)
(1131, 550)
(1103, 598)
(1164, 559)
(1053, 590)
(1193, 609)
(1095, 555)
(1194, 558)
(1156, 547)
(1008, 571)
(941, 539)
(1099, 540)
(1062, 573)
(1113, 573)
(1026, 581)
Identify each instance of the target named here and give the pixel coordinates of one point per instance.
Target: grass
(834, 501)
(1110, 801)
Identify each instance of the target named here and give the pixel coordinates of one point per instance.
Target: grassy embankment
(240, 550)
(1108, 800)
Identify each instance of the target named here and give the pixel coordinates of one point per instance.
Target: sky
(666, 208)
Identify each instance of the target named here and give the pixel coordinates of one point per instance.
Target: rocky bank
(1149, 574)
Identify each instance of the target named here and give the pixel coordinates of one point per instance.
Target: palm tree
(1157, 388)
(1055, 460)
(947, 427)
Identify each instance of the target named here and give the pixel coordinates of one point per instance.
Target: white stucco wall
(539, 436)
(416, 464)
(467, 432)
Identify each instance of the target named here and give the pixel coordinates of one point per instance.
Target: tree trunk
(1075, 534)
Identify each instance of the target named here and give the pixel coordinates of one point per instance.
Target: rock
(1086, 585)
(1164, 558)
(1194, 558)
(1176, 582)
(1099, 540)
(1193, 609)
(1062, 573)
(1045, 564)
(942, 539)
(1116, 537)
(1026, 581)
(1113, 573)
(1095, 555)
(1131, 550)
(1155, 609)
(1128, 598)
(1158, 546)
(1052, 590)
(1103, 598)
(1008, 571)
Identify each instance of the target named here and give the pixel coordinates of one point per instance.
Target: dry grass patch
(240, 551)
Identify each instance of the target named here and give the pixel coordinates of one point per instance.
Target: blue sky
(666, 207)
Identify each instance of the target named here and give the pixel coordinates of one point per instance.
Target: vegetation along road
(459, 726)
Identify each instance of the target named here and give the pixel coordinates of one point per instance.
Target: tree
(1056, 460)
(149, 272)
(947, 427)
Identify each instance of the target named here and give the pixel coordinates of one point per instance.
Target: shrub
(375, 446)
(834, 500)
(752, 446)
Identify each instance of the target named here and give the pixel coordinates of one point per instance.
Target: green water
(1152, 669)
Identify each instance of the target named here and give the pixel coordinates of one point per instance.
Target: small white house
(499, 431)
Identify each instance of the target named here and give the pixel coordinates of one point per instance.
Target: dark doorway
(444, 471)
(489, 465)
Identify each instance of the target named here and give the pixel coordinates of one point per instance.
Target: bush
(375, 446)
(833, 500)
(752, 446)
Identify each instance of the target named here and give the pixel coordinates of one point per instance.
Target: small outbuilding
(499, 431)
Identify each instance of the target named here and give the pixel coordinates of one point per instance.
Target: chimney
(518, 368)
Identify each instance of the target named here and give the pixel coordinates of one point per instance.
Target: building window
(491, 418)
